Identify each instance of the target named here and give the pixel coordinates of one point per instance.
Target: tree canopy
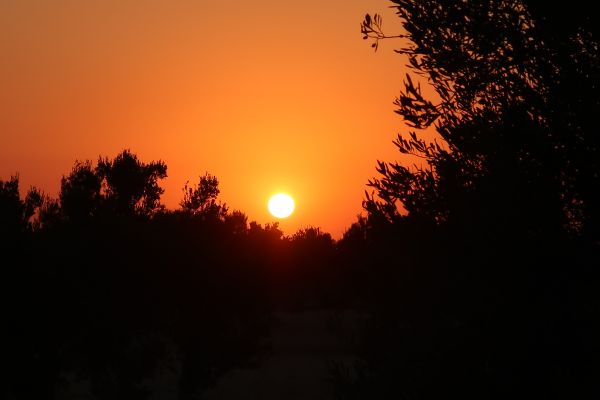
(515, 114)
(482, 256)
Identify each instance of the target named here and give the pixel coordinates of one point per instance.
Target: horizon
(301, 106)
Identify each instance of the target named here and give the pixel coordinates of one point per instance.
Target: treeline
(105, 290)
(105, 287)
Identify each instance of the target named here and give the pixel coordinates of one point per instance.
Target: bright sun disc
(281, 205)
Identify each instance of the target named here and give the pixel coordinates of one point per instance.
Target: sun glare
(281, 205)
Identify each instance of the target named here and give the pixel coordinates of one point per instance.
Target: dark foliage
(80, 196)
(105, 288)
(16, 214)
(483, 268)
(131, 186)
(202, 199)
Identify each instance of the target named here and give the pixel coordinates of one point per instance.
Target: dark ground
(304, 344)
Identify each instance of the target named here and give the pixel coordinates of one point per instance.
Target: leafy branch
(371, 28)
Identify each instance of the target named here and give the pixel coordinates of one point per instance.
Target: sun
(281, 205)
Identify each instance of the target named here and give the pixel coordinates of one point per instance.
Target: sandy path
(298, 367)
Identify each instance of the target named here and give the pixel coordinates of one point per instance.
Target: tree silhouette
(16, 214)
(316, 277)
(131, 186)
(515, 114)
(80, 192)
(25, 354)
(236, 222)
(105, 289)
(202, 198)
(480, 256)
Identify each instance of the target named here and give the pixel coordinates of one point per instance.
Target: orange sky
(266, 95)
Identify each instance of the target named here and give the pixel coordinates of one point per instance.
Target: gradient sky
(267, 95)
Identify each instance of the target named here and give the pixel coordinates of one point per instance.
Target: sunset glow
(254, 92)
